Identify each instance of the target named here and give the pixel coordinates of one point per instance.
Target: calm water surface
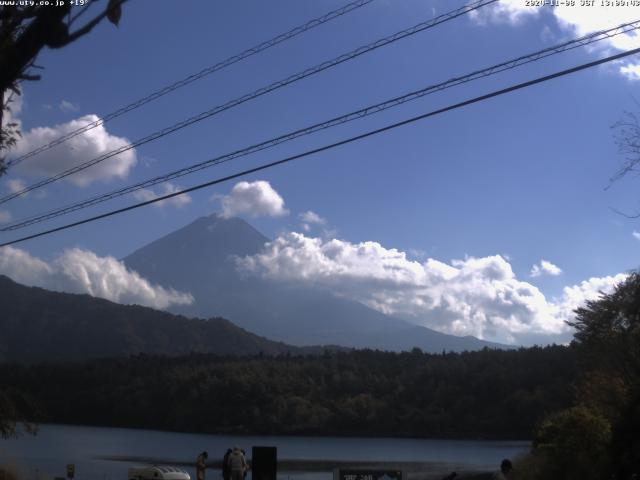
(46, 455)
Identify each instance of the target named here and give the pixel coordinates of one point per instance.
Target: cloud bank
(513, 12)
(82, 271)
(73, 152)
(256, 199)
(574, 20)
(475, 296)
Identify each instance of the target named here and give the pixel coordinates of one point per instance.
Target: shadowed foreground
(414, 470)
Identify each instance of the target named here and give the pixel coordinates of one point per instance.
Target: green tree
(16, 409)
(608, 330)
(608, 339)
(573, 444)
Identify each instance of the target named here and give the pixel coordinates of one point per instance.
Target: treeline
(597, 437)
(484, 394)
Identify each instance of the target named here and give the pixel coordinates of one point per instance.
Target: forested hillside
(37, 325)
(485, 394)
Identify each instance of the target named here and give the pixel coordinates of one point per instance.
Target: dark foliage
(485, 394)
(598, 436)
(38, 325)
(17, 410)
(608, 342)
(572, 445)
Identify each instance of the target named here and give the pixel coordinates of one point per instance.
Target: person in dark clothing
(226, 469)
(506, 470)
(247, 468)
(201, 465)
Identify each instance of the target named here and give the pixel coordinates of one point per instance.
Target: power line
(196, 76)
(370, 110)
(362, 136)
(257, 93)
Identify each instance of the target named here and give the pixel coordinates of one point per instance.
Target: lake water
(46, 455)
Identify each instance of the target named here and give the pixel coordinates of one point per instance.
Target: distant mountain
(39, 325)
(200, 259)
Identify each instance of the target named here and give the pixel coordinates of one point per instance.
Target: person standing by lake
(201, 465)
(237, 464)
(226, 470)
(506, 470)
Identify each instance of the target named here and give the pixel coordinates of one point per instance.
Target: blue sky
(514, 180)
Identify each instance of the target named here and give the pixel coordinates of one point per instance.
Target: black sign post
(71, 470)
(264, 463)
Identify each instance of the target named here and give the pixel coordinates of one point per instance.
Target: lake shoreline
(250, 433)
(415, 470)
(107, 453)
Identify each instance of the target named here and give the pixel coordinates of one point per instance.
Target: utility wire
(257, 93)
(370, 110)
(196, 76)
(362, 136)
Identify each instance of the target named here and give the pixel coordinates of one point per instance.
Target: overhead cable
(361, 113)
(257, 93)
(194, 77)
(349, 140)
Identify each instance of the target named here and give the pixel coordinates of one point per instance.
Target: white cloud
(67, 106)
(547, 35)
(5, 216)
(15, 185)
(636, 235)
(75, 151)
(82, 271)
(512, 12)
(591, 289)
(474, 296)
(312, 217)
(583, 21)
(577, 20)
(254, 199)
(632, 72)
(166, 188)
(24, 268)
(545, 268)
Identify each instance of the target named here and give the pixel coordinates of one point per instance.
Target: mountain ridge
(200, 258)
(39, 325)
